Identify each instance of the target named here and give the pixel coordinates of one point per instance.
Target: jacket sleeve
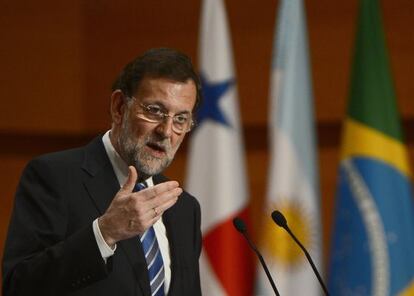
(40, 257)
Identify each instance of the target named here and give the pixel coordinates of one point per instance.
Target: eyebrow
(162, 106)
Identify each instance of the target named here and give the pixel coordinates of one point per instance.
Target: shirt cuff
(105, 250)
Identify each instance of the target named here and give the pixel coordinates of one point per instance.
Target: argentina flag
(293, 179)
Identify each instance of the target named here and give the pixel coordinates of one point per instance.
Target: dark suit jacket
(51, 248)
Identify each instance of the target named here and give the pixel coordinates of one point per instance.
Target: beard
(137, 152)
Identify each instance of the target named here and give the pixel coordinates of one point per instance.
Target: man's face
(151, 146)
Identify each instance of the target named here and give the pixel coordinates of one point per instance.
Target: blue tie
(152, 256)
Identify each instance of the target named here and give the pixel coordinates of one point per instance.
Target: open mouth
(158, 149)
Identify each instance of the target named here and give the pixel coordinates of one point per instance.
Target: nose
(165, 128)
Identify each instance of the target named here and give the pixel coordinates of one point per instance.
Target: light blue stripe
(149, 239)
(293, 112)
(156, 266)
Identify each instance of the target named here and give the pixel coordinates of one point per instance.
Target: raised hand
(131, 213)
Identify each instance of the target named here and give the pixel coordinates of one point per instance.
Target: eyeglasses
(181, 123)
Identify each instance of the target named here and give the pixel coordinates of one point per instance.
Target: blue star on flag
(212, 93)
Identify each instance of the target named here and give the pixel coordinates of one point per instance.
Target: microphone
(241, 227)
(280, 220)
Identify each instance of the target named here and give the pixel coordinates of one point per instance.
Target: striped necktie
(153, 257)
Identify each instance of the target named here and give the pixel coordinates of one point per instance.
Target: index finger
(159, 189)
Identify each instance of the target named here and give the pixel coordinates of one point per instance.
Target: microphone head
(279, 219)
(239, 225)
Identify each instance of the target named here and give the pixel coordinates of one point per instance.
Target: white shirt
(121, 172)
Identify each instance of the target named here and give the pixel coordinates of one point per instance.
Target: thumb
(132, 179)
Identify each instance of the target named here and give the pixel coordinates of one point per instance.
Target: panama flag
(373, 239)
(216, 170)
(293, 177)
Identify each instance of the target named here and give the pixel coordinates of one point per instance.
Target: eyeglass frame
(163, 116)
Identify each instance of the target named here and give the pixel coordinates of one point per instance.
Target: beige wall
(58, 61)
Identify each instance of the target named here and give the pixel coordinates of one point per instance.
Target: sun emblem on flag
(278, 244)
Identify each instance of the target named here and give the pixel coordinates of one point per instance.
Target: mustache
(164, 144)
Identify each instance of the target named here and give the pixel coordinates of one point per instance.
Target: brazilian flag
(372, 251)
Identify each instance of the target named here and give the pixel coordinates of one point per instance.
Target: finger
(164, 198)
(152, 214)
(130, 182)
(145, 208)
(160, 209)
(159, 189)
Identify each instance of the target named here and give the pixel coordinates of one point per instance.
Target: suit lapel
(102, 185)
(101, 182)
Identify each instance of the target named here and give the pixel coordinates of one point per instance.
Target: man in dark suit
(100, 219)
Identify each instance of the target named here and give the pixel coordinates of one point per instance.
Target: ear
(118, 106)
